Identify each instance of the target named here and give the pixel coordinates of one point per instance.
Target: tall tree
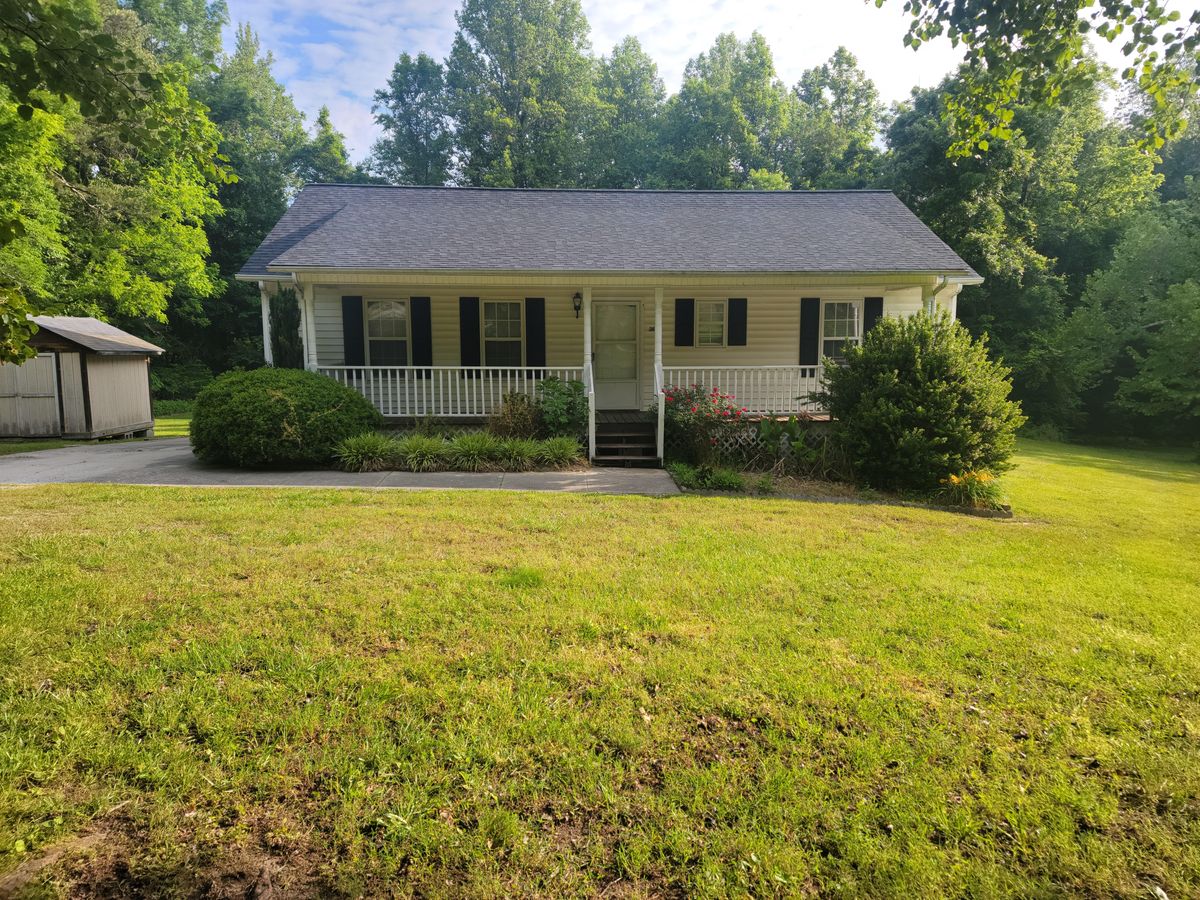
(412, 110)
(1033, 53)
(1032, 216)
(625, 137)
(520, 79)
(837, 122)
(263, 137)
(187, 32)
(324, 157)
(732, 115)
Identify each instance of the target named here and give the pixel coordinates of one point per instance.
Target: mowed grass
(496, 694)
(174, 426)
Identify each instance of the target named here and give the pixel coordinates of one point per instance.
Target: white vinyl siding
(772, 323)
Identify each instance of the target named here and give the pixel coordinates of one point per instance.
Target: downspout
(943, 282)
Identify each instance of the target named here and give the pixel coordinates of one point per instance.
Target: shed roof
(382, 227)
(96, 336)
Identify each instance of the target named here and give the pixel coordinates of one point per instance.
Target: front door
(615, 359)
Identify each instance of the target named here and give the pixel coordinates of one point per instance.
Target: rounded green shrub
(919, 401)
(276, 417)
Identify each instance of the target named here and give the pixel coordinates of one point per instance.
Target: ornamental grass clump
(919, 401)
(518, 454)
(559, 452)
(422, 452)
(367, 452)
(973, 490)
(475, 451)
(696, 419)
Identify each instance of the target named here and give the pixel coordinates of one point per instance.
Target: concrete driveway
(170, 462)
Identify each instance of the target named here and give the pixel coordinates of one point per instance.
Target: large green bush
(920, 401)
(276, 417)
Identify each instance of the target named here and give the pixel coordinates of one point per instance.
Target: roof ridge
(562, 190)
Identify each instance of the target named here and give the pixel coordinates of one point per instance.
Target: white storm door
(615, 360)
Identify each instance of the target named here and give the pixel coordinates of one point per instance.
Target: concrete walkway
(170, 462)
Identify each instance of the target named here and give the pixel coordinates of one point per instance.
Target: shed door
(29, 398)
(615, 348)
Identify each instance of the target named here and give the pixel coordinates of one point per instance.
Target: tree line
(1085, 225)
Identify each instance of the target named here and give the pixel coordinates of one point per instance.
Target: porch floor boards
(624, 417)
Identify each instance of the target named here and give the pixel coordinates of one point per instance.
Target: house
(88, 380)
(439, 301)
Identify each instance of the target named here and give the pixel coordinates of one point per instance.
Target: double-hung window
(840, 328)
(710, 323)
(502, 333)
(387, 332)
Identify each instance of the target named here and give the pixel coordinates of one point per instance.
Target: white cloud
(339, 53)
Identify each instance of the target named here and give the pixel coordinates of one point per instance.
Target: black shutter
(352, 332)
(737, 322)
(685, 323)
(872, 310)
(468, 331)
(535, 332)
(421, 313)
(810, 331)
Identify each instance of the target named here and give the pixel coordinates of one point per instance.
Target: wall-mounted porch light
(577, 303)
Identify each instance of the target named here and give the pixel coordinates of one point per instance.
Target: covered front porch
(455, 351)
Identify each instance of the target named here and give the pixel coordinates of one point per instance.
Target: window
(502, 333)
(387, 333)
(842, 326)
(710, 323)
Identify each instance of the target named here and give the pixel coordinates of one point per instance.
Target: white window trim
(367, 301)
(724, 304)
(859, 304)
(483, 338)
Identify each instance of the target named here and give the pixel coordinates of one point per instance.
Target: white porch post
(268, 350)
(310, 327)
(658, 369)
(588, 377)
(303, 322)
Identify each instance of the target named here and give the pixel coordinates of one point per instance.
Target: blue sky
(338, 52)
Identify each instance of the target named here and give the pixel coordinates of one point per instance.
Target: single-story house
(439, 301)
(88, 380)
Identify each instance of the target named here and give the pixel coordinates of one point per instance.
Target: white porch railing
(761, 389)
(443, 391)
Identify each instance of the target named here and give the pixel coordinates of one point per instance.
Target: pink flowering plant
(696, 420)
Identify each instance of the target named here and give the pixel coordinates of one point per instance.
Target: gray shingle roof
(97, 336)
(383, 227)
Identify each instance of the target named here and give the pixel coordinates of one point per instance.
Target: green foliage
(973, 490)
(367, 452)
(696, 419)
(562, 407)
(559, 452)
(706, 477)
(422, 452)
(520, 90)
(517, 417)
(417, 141)
(180, 381)
(920, 401)
(172, 409)
(1036, 53)
(276, 417)
(475, 451)
(625, 141)
(519, 454)
(803, 447)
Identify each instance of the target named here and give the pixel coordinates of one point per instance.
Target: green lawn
(174, 426)
(488, 694)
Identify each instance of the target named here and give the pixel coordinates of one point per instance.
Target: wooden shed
(88, 380)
